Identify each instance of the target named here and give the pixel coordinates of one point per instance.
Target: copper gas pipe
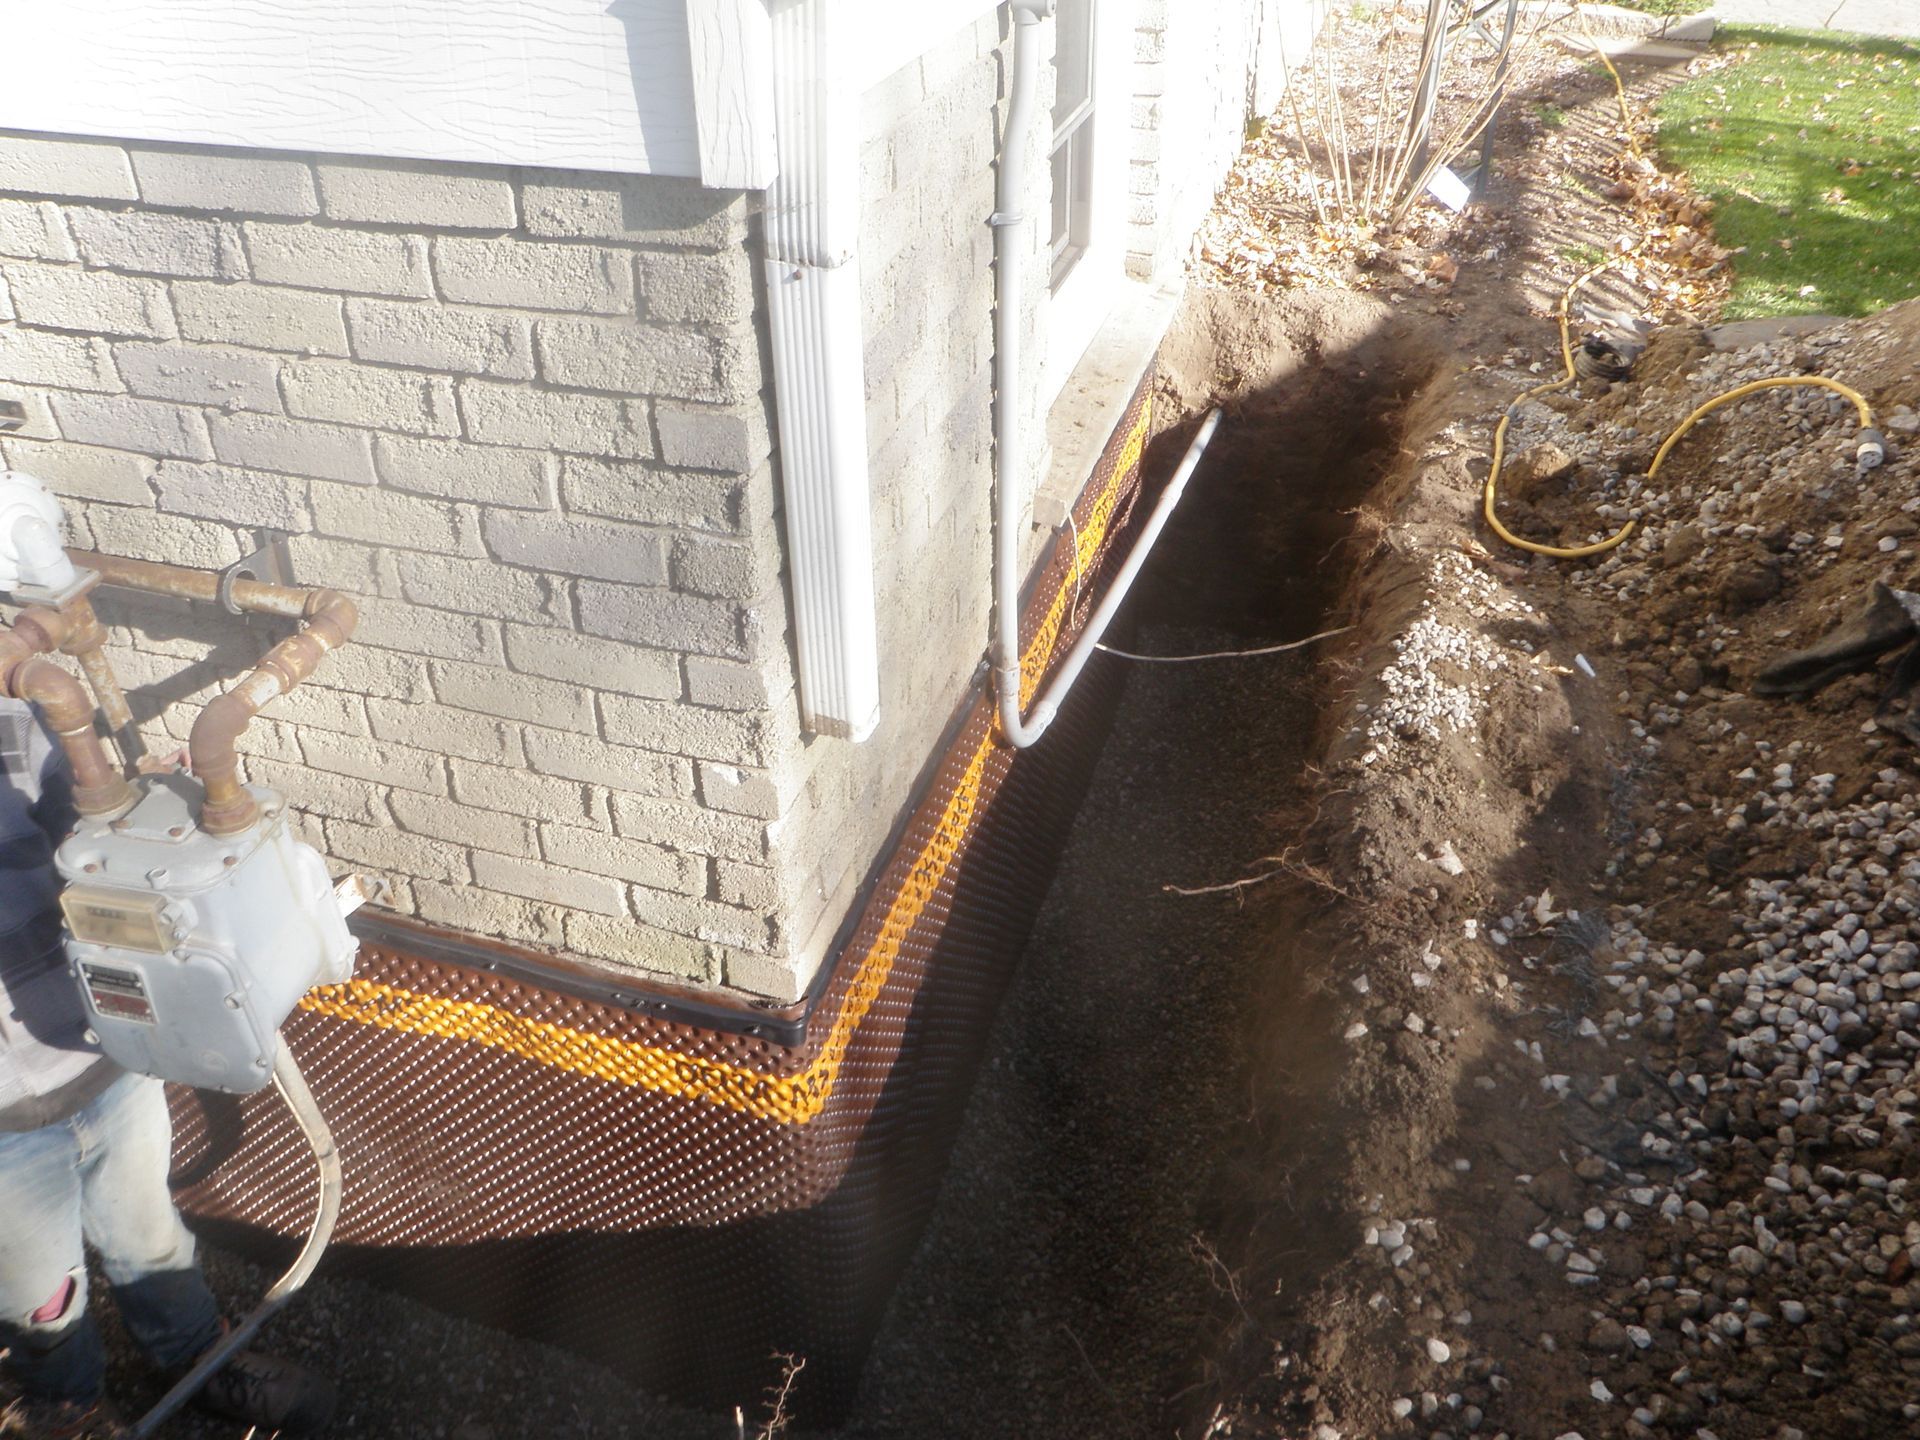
(212, 744)
(229, 808)
(158, 578)
(87, 643)
(26, 674)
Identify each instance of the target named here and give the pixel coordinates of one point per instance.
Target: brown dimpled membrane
(680, 1188)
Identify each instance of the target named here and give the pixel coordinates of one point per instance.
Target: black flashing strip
(786, 1027)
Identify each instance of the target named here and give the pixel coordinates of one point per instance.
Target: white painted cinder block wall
(523, 413)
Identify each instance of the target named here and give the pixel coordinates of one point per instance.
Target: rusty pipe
(158, 578)
(87, 643)
(26, 674)
(213, 742)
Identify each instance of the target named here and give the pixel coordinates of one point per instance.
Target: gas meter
(190, 949)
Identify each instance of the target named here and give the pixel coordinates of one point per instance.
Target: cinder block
(588, 660)
(742, 790)
(652, 494)
(481, 474)
(376, 398)
(264, 317)
(683, 289)
(731, 685)
(709, 920)
(534, 276)
(149, 534)
(95, 302)
(484, 587)
(242, 182)
(416, 630)
(84, 472)
(33, 230)
(663, 620)
(731, 736)
(708, 565)
(360, 262)
(146, 427)
(294, 447)
(520, 792)
(364, 670)
(638, 209)
(316, 792)
(343, 565)
(57, 165)
(595, 853)
(519, 415)
(680, 826)
(440, 337)
(493, 830)
(201, 375)
(310, 707)
(68, 362)
(576, 545)
(594, 761)
(539, 701)
(416, 192)
(630, 358)
(146, 243)
(782, 979)
(485, 912)
(396, 852)
(239, 497)
(380, 517)
(399, 766)
(6, 299)
(448, 731)
(753, 887)
(707, 437)
(674, 957)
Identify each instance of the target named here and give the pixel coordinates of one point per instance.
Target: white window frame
(1078, 306)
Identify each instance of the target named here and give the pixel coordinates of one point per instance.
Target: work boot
(267, 1391)
(1854, 646)
(27, 1419)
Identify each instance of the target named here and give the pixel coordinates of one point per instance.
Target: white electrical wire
(1223, 654)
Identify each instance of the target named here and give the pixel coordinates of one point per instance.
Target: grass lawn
(1810, 147)
(1663, 7)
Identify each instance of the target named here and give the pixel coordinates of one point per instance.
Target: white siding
(583, 84)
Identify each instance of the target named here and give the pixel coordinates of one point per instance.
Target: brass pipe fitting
(213, 742)
(26, 674)
(328, 619)
(87, 643)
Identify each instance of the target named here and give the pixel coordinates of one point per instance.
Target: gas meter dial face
(116, 918)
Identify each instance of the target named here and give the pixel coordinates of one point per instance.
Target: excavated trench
(1070, 1282)
(1115, 1165)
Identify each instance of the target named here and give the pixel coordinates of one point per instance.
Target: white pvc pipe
(1009, 227)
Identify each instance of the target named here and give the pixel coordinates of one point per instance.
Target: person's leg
(145, 1251)
(55, 1352)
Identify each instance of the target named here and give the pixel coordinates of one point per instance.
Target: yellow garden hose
(1558, 552)
(1871, 449)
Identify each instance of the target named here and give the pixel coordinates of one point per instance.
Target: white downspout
(1009, 225)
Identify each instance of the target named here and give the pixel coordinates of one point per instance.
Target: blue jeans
(101, 1174)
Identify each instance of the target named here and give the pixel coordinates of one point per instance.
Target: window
(1074, 135)
(1088, 171)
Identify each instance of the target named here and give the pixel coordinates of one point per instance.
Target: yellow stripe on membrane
(791, 1099)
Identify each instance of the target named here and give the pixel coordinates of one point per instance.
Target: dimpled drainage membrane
(683, 1192)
